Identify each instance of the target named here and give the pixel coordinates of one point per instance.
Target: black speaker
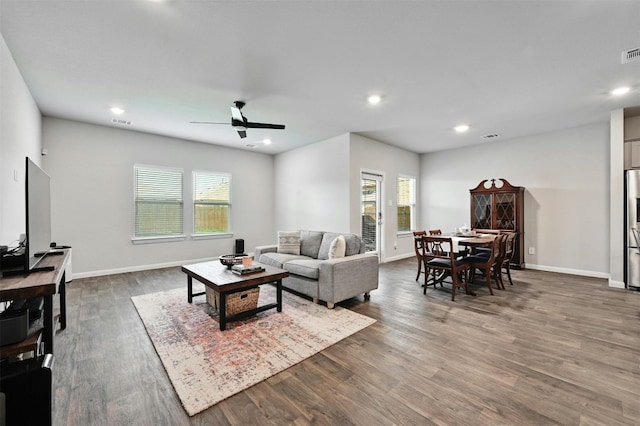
(239, 246)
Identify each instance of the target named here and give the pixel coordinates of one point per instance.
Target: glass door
(370, 211)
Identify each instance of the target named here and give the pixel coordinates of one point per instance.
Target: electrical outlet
(532, 250)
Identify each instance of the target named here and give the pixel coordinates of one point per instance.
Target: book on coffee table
(244, 270)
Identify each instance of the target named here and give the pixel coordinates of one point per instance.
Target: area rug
(206, 365)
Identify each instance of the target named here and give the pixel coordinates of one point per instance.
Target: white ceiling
(510, 67)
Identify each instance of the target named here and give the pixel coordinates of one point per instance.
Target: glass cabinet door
(481, 211)
(505, 211)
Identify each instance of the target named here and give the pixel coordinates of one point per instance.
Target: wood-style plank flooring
(551, 349)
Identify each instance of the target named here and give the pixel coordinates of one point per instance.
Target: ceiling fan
(240, 122)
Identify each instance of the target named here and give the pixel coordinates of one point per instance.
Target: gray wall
(20, 129)
(312, 187)
(566, 177)
(91, 169)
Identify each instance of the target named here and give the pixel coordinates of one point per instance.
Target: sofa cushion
(353, 244)
(310, 243)
(337, 247)
(289, 242)
(278, 259)
(327, 239)
(309, 268)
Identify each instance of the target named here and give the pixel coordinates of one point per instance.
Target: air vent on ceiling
(491, 136)
(121, 122)
(250, 145)
(631, 55)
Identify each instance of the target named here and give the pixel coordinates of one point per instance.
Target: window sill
(153, 240)
(212, 236)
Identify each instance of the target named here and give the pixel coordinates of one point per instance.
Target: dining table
(484, 240)
(477, 240)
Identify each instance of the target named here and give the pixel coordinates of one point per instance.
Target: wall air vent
(631, 55)
(491, 136)
(120, 122)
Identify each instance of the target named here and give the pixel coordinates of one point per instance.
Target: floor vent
(120, 122)
(631, 55)
(491, 136)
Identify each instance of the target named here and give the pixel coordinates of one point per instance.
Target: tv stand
(44, 283)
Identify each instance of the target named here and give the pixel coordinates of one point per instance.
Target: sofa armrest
(347, 277)
(264, 249)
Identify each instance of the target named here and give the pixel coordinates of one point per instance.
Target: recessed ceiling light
(461, 128)
(374, 99)
(620, 90)
(117, 111)
(267, 141)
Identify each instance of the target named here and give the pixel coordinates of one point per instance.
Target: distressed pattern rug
(206, 365)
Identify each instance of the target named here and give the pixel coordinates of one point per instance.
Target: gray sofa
(314, 274)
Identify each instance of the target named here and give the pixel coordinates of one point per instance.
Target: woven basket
(236, 302)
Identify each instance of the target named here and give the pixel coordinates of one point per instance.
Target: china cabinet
(496, 204)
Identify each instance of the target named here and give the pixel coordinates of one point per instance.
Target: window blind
(406, 203)
(158, 201)
(212, 202)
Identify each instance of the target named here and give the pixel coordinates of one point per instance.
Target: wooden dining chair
(418, 246)
(500, 259)
(443, 259)
(436, 232)
(510, 251)
(485, 264)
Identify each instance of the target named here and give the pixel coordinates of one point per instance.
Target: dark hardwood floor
(551, 349)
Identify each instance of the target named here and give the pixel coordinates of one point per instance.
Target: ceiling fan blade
(242, 133)
(250, 125)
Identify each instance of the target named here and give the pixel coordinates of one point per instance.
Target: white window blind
(212, 202)
(158, 201)
(406, 203)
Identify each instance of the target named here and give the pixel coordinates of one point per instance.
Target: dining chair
(436, 232)
(418, 247)
(500, 259)
(510, 251)
(443, 259)
(485, 263)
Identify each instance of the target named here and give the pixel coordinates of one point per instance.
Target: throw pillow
(289, 242)
(338, 247)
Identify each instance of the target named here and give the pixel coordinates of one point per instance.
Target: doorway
(370, 211)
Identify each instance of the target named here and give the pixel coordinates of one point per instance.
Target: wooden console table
(45, 284)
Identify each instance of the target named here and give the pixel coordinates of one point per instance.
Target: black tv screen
(38, 214)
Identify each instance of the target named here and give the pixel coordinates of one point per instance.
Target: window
(211, 202)
(158, 201)
(406, 203)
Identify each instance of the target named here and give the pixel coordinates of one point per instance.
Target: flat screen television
(38, 215)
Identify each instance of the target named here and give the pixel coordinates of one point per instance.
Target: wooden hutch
(500, 207)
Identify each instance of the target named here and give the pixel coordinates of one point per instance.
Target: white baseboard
(567, 271)
(139, 268)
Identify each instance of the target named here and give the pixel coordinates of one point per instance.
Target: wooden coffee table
(217, 277)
